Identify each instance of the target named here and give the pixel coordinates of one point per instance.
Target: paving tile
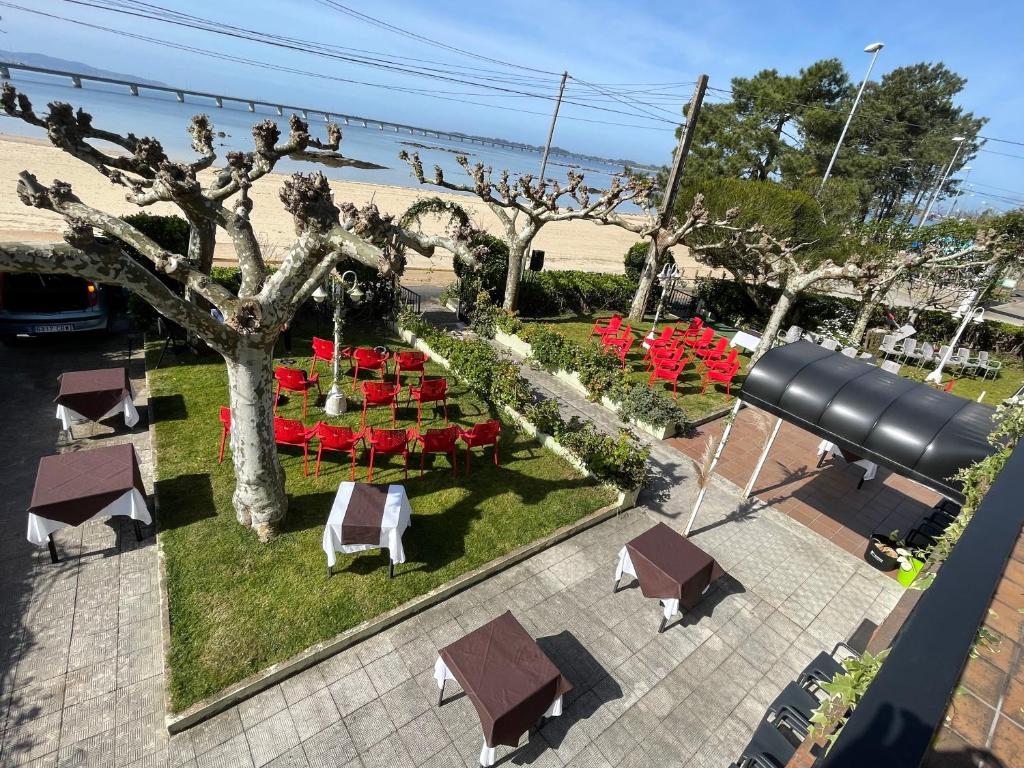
(330, 748)
(314, 713)
(368, 725)
(272, 737)
(352, 692)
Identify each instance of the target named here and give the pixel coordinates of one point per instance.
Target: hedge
(546, 294)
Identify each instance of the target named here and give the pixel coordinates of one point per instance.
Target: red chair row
(384, 442)
(670, 352)
(428, 391)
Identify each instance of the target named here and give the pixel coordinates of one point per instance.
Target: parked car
(34, 304)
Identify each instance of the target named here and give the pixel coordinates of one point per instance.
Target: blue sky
(599, 42)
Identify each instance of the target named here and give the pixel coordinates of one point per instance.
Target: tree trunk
(259, 497)
(860, 326)
(774, 323)
(643, 289)
(516, 259)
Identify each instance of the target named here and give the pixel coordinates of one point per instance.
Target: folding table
(95, 395)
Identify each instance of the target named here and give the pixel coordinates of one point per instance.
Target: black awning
(911, 428)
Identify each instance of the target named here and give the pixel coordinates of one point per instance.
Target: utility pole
(547, 150)
(668, 202)
(938, 189)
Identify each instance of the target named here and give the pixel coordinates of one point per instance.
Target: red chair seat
(612, 326)
(408, 361)
(323, 349)
(479, 435)
(339, 439)
(369, 360)
(429, 391)
(378, 393)
(293, 432)
(442, 440)
(295, 380)
(721, 376)
(389, 442)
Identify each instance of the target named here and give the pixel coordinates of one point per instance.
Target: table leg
(391, 570)
(53, 549)
(440, 696)
(138, 530)
(861, 483)
(661, 628)
(330, 571)
(615, 587)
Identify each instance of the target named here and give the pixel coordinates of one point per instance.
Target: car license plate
(61, 328)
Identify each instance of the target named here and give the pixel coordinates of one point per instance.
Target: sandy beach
(567, 245)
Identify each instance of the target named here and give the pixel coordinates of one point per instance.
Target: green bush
(545, 416)
(637, 402)
(545, 294)
(170, 233)
(491, 270)
(484, 317)
(618, 460)
(636, 257)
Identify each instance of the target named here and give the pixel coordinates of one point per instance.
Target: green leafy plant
(484, 318)
(639, 403)
(636, 257)
(508, 321)
(619, 460)
(547, 294)
(844, 693)
(545, 416)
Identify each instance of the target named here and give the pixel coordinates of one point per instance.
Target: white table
(745, 340)
(126, 406)
(132, 504)
(827, 449)
(670, 605)
(487, 754)
(396, 518)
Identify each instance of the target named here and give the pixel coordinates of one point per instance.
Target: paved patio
(824, 499)
(81, 661)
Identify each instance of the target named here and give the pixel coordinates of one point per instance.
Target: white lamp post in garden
(873, 49)
(970, 313)
(666, 278)
(336, 403)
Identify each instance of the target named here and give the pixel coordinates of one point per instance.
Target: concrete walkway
(691, 696)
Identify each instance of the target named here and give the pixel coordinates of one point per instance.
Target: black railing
(681, 302)
(410, 298)
(895, 722)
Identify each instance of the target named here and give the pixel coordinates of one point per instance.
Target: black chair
(823, 667)
(794, 707)
(768, 748)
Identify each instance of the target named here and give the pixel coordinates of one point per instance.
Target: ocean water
(160, 115)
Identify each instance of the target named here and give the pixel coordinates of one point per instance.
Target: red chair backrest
(385, 440)
(694, 327)
(336, 438)
(225, 416)
(438, 440)
(289, 430)
(433, 389)
(613, 323)
(367, 357)
(291, 378)
(719, 346)
(380, 392)
(705, 337)
(484, 433)
(323, 349)
(408, 359)
(724, 374)
(730, 360)
(666, 333)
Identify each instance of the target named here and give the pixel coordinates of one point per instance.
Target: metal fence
(410, 298)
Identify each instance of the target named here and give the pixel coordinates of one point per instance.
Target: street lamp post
(935, 193)
(335, 405)
(970, 313)
(873, 49)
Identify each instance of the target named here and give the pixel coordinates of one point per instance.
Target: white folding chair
(888, 345)
(891, 366)
(909, 348)
(850, 351)
(830, 344)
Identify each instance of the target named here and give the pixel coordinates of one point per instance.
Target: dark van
(34, 304)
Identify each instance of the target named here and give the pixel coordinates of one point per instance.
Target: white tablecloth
(131, 415)
(870, 468)
(397, 517)
(487, 754)
(132, 504)
(670, 605)
(745, 340)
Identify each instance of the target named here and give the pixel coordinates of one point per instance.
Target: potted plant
(910, 567)
(883, 551)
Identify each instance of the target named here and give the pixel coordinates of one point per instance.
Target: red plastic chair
(429, 391)
(225, 430)
(669, 372)
(369, 360)
(694, 329)
(439, 441)
(379, 393)
(389, 442)
(480, 435)
(612, 326)
(620, 348)
(410, 362)
(340, 439)
(610, 339)
(666, 339)
(709, 354)
(322, 350)
(669, 356)
(728, 362)
(295, 380)
(702, 340)
(293, 432)
(721, 376)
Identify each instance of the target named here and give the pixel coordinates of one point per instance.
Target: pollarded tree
(103, 248)
(523, 206)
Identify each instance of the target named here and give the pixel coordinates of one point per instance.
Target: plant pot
(878, 554)
(906, 577)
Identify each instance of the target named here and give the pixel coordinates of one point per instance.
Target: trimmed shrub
(545, 294)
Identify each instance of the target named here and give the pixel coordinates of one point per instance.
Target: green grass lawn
(992, 391)
(237, 606)
(694, 404)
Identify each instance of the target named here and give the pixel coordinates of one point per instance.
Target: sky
(607, 44)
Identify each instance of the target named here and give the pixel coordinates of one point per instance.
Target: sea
(160, 115)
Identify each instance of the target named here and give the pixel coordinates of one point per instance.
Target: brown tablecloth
(669, 566)
(364, 514)
(507, 677)
(93, 393)
(72, 487)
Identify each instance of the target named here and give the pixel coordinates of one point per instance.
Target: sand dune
(567, 245)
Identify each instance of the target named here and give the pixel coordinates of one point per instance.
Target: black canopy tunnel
(911, 428)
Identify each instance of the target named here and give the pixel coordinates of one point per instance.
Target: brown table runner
(507, 676)
(669, 566)
(364, 514)
(72, 487)
(93, 393)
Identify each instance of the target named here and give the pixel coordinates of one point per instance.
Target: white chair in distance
(850, 351)
(986, 365)
(891, 366)
(923, 354)
(794, 333)
(908, 350)
(889, 345)
(830, 344)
